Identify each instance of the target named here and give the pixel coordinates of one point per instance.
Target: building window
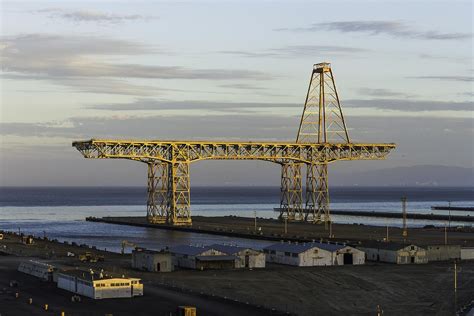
(294, 255)
(412, 247)
(287, 254)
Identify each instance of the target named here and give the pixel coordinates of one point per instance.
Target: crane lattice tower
(322, 122)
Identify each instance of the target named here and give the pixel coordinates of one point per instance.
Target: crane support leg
(179, 194)
(157, 203)
(317, 194)
(291, 192)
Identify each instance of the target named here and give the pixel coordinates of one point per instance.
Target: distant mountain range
(422, 175)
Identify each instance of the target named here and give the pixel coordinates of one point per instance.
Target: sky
(73, 70)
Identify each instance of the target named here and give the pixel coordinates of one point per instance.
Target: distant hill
(422, 175)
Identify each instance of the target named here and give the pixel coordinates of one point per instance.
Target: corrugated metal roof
(228, 249)
(216, 258)
(302, 247)
(384, 245)
(189, 250)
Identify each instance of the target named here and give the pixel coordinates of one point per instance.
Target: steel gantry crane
(322, 138)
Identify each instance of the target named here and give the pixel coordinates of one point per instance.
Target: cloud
(159, 127)
(447, 78)
(413, 134)
(82, 61)
(392, 28)
(297, 50)
(241, 86)
(92, 16)
(402, 105)
(160, 105)
(409, 105)
(383, 93)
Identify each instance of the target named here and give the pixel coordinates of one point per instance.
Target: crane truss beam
(279, 152)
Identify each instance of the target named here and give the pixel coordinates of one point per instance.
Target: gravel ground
(341, 290)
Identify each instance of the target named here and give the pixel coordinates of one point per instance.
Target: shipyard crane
(322, 138)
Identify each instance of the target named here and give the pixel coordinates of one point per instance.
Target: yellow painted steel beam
(191, 151)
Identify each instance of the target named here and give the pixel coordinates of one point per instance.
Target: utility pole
(286, 225)
(255, 216)
(386, 236)
(445, 234)
(404, 210)
(449, 210)
(455, 287)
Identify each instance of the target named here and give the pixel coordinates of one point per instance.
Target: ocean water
(60, 212)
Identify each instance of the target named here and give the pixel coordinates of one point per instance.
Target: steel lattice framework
(168, 161)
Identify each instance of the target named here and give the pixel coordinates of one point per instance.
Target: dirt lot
(271, 228)
(159, 299)
(342, 290)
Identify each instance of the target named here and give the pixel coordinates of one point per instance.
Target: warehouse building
(99, 285)
(201, 258)
(38, 269)
(443, 252)
(467, 253)
(394, 252)
(153, 261)
(313, 254)
(246, 257)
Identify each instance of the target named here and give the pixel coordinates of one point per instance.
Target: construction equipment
(90, 257)
(27, 240)
(125, 244)
(322, 138)
(186, 311)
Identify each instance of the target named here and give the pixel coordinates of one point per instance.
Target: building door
(158, 267)
(247, 261)
(412, 259)
(348, 258)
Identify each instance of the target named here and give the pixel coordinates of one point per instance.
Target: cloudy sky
(227, 70)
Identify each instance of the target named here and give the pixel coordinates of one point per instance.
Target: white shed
(443, 252)
(467, 253)
(313, 254)
(247, 257)
(38, 269)
(153, 261)
(99, 286)
(201, 258)
(394, 252)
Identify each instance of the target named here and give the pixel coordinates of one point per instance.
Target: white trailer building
(38, 269)
(201, 258)
(394, 252)
(153, 261)
(99, 286)
(313, 254)
(443, 252)
(467, 253)
(247, 257)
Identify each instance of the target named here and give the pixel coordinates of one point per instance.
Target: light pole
(255, 224)
(449, 210)
(455, 287)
